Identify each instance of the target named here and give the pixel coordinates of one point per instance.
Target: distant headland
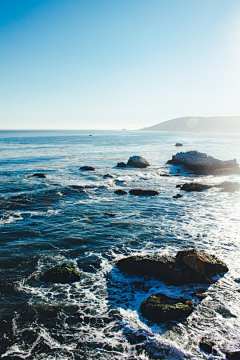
(216, 124)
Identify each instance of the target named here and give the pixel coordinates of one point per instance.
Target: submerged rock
(229, 186)
(138, 162)
(189, 266)
(161, 308)
(121, 165)
(206, 345)
(87, 168)
(120, 192)
(194, 187)
(39, 175)
(143, 192)
(233, 355)
(177, 196)
(202, 164)
(108, 176)
(109, 214)
(63, 273)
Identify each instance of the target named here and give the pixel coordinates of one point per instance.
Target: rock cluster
(189, 266)
(202, 164)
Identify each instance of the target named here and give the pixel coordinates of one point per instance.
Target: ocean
(48, 221)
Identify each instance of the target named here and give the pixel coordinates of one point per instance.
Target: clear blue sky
(113, 64)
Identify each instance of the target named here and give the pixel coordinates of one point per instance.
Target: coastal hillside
(217, 124)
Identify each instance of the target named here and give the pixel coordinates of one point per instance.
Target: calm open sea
(44, 222)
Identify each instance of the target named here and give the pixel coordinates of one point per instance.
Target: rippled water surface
(48, 221)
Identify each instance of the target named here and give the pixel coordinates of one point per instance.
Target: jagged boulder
(202, 164)
(138, 162)
(189, 266)
(161, 308)
(142, 192)
(201, 262)
(63, 273)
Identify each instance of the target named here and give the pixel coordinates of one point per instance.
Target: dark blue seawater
(48, 221)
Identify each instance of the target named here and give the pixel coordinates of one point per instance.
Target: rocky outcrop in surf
(141, 192)
(202, 164)
(63, 273)
(189, 266)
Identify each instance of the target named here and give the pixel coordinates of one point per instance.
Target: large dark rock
(163, 267)
(233, 355)
(161, 308)
(63, 273)
(87, 168)
(201, 262)
(121, 165)
(143, 192)
(189, 266)
(138, 162)
(194, 187)
(202, 164)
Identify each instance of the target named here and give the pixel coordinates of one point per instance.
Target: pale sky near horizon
(113, 64)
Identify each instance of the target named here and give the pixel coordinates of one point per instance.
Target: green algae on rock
(161, 308)
(63, 273)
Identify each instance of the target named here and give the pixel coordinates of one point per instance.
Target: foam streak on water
(44, 222)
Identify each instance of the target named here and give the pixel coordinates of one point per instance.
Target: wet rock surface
(189, 266)
(177, 196)
(108, 176)
(87, 168)
(63, 273)
(233, 355)
(207, 345)
(142, 192)
(120, 192)
(121, 165)
(138, 162)
(202, 164)
(195, 187)
(161, 308)
(39, 175)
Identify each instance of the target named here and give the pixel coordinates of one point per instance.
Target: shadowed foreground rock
(189, 266)
(141, 192)
(63, 273)
(161, 308)
(138, 162)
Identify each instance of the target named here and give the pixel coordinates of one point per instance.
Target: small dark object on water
(178, 186)
(108, 176)
(63, 273)
(161, 308)
(39, 175)
(233, 355)
(165, 175)
(121, 165)
(178, 144)
(87, 168)
(143, 192)
(195, 187)
(177, 196)
(120, 192)
(109, 214)
(206, 345)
